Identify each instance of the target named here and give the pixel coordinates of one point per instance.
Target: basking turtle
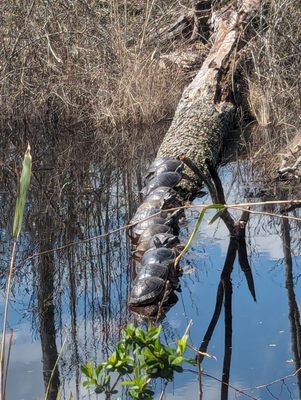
(167, 165)
(159, 270)
(147, 290)
(163, 240)
(170, 179)
(155, 164)
(149, 232)
(155, 311)
(138, 229)
(147, 210)
(164, 197)
(170, 166)
(160, 255)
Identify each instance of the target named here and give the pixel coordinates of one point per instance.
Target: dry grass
(274, 84)
(87, 67)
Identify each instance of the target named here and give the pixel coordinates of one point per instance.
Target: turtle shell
(167, 165)
(163, 240)
(147, 290)
(169, 179)
(146, 210)
(163, 196)
(155, 164)
(152, 230)
(160, 255)
(139, 228)
(159, 270)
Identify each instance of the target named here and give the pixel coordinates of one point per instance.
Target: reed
(23, 186)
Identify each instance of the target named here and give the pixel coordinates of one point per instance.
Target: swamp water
(73, 301)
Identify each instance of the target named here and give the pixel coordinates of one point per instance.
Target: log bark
(204, 114)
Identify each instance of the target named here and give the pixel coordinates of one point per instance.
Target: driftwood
(204, 114)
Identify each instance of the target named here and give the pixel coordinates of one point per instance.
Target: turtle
(147, 290)
(138, 229)
(155, 164)
(159, 270)
(160, 255)
(155, 311)
(170, 179)
(167, 240)
(168, 165)
(164, 197)
(147, 210)
(152, 230)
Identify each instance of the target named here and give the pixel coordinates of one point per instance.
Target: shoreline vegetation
(110, 74)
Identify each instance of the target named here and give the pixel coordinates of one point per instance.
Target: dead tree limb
(204, 115)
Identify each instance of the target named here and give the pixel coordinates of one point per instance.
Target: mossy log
(204, 115)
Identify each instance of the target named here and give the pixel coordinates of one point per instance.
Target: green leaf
(182, 344)
(22, 193)
(177, 360)
(98, 369)
(216, 216)
(126, 383)
(88, 370)
(196, 228)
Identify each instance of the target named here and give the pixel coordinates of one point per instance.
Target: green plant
(23, 186)
(140, 356)
(220, 209)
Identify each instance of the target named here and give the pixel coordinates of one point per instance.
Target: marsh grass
(88, 68)
(274, 82)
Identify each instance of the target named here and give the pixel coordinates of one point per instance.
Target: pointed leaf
(22, 193)
(216, 216)
(196, 228)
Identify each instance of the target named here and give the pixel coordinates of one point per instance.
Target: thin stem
(8, 286)
(54, 368)
(7, 361)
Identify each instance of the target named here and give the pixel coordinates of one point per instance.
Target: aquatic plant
(139, 356)
(23, 186)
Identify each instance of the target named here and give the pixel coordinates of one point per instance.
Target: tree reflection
(80, 292)
(294, 313)
(45, 289)
(236, 247)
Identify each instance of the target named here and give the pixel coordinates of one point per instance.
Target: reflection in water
(294, 313)
(80, 293)
(237, 245)
(45, 287)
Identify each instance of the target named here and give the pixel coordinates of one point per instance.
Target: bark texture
(204, 115)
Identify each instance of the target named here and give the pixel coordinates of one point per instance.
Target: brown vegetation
(85, 68)
(94, 71)
(274, 82)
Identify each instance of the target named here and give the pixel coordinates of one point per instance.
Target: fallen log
(204, 115)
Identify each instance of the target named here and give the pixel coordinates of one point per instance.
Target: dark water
(74, 301)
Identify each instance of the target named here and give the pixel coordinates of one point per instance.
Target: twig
(231, 386)
(239, 206)
(273, 382)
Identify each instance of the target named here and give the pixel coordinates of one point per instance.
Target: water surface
(73, 301)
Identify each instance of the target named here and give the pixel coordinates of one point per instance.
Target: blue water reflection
(261, 351)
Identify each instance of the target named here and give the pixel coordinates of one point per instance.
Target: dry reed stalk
(274, 82)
